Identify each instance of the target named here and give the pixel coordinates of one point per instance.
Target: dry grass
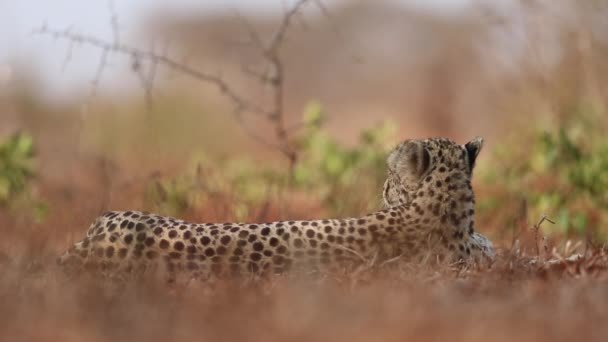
(517, 298)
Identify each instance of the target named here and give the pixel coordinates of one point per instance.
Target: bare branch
(114, 22)
(261, 77)
(275, 77)
(279, 34)
(253, 34)
(139, 54)
(146, 72)
(68, 57)
(325, 11)
(103, 60)
(145, 63)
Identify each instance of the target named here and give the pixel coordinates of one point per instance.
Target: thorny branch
(145, 64)
(274, 77)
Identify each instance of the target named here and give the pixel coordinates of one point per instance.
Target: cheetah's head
(433, 178)
(437, 165)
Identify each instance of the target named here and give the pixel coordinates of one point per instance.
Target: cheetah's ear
(410, 159)
(473, 148)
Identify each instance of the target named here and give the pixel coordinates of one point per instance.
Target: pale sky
(20, 17)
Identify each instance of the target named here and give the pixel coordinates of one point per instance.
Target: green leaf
(24, 145)
(313, 114)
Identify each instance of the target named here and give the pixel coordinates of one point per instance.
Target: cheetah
(429, 208)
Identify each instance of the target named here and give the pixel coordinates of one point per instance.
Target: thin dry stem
(536, 230)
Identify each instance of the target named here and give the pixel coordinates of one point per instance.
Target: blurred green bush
(16, 165)
(343, 178)
(561, 171)
(17, 154)
(346, 178)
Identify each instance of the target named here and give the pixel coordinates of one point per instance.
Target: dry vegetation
(542, 108)
(516, 298)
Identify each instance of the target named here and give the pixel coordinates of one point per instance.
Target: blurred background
(87, 127)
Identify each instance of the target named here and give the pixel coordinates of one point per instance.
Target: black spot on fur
(225, 240)
(109, 251)
(178, 245)
(255, 256)
(258, 246)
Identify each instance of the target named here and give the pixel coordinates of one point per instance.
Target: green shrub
(345, 177)
(342, 178)
(17, 154)
(16, 165)
(561, 171)
(206, 180)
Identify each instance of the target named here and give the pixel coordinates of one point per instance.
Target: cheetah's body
(430, 207)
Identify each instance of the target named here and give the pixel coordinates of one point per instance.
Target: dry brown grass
(517, 298)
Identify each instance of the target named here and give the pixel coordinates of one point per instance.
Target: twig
(146, 77)
(355, 253)
(103, 61)
(537, 228)
(391, 260)
(114, 22)
(68, 57)
(275, 78)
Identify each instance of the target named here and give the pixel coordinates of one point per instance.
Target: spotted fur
(429, 211)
